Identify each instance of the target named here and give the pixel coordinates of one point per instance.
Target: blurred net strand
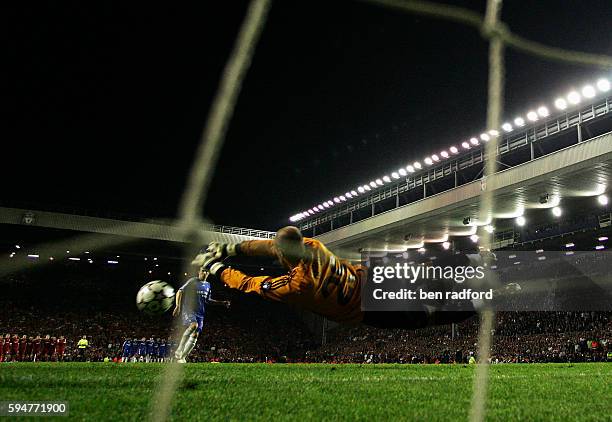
(205, 162)
(495, 103)
(499, 30)
(221, 111)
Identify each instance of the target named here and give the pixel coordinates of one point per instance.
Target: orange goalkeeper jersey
(321, 283)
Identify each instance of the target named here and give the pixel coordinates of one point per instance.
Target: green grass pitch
(561, 392)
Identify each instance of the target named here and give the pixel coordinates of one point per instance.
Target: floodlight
(507, 127)
(573, 97)
(602, 199)
(560, 103)
(402, 172)
(603, 85)
(428, 161)
(557, 211)
(588, 91)
(395, 175)
(532, 115)
(454, 150)
(520, 221)
(519, 121)
(543, 111)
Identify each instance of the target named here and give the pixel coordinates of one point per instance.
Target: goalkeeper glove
(217, 251)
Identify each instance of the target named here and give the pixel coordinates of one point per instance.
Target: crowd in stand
(48, 327)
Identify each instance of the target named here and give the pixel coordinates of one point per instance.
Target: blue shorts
(189, 318)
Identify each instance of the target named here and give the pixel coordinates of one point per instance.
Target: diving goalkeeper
(316, 281)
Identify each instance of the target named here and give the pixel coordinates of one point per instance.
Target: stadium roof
(583, 170)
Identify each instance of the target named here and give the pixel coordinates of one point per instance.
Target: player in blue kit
(150, 350)
(161, 351)
(142, 349)
(127, 349)
(134, 350)
(191, 301)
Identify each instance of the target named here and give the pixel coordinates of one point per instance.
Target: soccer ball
(155, 297)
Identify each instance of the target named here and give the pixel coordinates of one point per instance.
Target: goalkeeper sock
(189, 345)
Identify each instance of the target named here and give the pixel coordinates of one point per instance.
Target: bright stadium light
(588, 91)
(360, 189)
(573, 97)
(473, 141)
(410, 169)
(569, 245)
(367, 188)
(465, 145)
(560, 103)
(342, 198)
(543, 111)
(34, 256)
(395, 175)
(372, 184)
(321, 207)
(337, 200)
(446, 245)
(417, 165)
(386, 179)
(603, 85)
(532, 115)
(435, 157)
(519, 121)
(602, 199)
(600, 247)
(507, 127)
(557, 211)
(325, 204)
(348, 195)
(474, 238)
(353, 193)
(444, 154)
(489, 228)
(330, 203)
(379, 182)
(494, 132)
(74, 259)
(402, 172)
(485, 137)
(520, 221)
(602, 238)
(454, 150)
(17, 247)
(428, 161)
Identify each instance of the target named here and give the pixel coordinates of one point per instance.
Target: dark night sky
(105, 102)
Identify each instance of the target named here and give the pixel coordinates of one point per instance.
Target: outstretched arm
(177, 302)
(276, 288)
